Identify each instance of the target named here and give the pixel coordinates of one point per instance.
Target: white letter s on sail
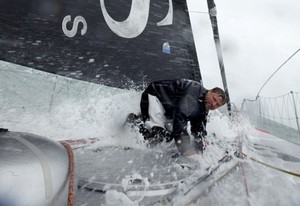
(73, 31)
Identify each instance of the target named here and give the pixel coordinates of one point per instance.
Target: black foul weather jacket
(183, 101)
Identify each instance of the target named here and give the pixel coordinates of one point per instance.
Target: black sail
(110, 42)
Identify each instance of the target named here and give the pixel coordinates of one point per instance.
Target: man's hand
(200, 141)
(200, 144)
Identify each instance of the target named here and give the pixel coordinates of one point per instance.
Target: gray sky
(256, 38)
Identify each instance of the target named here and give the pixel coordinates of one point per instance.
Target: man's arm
(198, 126)
(180, 134)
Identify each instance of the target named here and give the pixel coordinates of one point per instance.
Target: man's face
(212, 100)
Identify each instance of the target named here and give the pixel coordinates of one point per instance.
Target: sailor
(168, 106)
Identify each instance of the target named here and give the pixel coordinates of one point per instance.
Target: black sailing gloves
(186, 147)
(156, 136)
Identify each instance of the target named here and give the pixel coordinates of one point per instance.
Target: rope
(273, 167)
(245, 180)
(71, 173)
(277, 71)
(199, 12)
(244, 175)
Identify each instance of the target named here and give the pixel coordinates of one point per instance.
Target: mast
(213, 18)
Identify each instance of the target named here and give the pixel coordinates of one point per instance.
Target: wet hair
(220, 93)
